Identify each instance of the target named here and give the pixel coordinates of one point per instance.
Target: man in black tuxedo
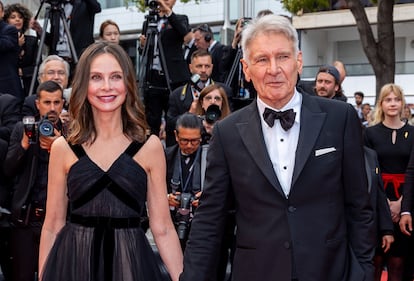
(162, 79)
(9, 54)
(293, 166)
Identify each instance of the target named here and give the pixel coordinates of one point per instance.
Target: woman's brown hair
(82, 129)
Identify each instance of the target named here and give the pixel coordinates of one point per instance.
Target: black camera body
(152, 4)
(196, 82)
(213, 113)
(57, 2)
(184, 214)
(46, 127)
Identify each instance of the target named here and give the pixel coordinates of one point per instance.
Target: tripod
(153, 43)
(52, 11)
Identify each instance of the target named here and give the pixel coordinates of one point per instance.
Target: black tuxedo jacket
(9, 54)
(407, 203)
(323, 231)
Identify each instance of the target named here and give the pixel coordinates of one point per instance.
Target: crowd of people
(257, 168)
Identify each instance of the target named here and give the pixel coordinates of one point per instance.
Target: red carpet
(384, 276)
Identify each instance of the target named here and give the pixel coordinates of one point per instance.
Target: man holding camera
(185, 98)
(161, 78)
(185, 173)
(27, 160)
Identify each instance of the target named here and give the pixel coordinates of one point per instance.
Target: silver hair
(266, 25)
(52, 58)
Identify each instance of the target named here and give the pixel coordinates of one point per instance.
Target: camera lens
(46, 128)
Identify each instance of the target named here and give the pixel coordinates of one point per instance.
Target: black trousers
(156, 96)
(24, 244)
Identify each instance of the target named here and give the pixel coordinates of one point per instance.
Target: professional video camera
(213, 113)
(184, 213)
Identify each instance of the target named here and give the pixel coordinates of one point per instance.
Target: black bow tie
(287, 118)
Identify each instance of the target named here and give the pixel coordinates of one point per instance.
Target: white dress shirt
(281, 145)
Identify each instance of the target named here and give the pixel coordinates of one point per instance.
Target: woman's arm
(162, 228)
(56, 204)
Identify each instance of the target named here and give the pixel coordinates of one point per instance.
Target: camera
(196, 82)
(56, 2)
(213, 113)
(45, 127)
(152, 4)
(184, 214)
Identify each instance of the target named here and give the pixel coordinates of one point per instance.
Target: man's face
(201, 66)
(325, 85)
(358, 99)
(188, 139)
(50, 104)
(199, 40)
(55, 70)
(273, 67)
(366, 110)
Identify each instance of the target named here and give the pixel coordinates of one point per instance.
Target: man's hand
(406, 224)
(172, 200)
(20, 37)
(387, 240)
(164, 8)
(35, 25)
(46, 142)
(25, 143)
(196, 199)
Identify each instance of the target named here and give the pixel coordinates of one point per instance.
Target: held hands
(406, 224)
(395, 208)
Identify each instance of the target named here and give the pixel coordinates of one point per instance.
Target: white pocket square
(323, 151)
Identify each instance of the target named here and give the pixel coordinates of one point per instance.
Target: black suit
(9, 53)
(322, 232)
(172, 39)
(27, 62)
(81, 26)
(218, 53)
(382, 214)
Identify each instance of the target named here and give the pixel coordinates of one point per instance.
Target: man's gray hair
(267, 25)
(52, 58)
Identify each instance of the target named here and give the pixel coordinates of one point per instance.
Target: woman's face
(214, 97)
(391, 105)
(16, 19)
(111, 34)
(106, 89)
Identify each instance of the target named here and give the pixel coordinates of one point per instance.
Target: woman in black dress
(392, 139)
(104, 173)
(19, 16)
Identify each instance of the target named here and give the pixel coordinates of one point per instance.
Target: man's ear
(176, 135)
(246, 70)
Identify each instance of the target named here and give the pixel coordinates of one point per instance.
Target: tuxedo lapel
(311, 121)
(249, 129)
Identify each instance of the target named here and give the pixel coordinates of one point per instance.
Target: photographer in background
(212, 95)
(185, 98)
(172, 29)
(80, 17)
(27, 160)
(184, 173)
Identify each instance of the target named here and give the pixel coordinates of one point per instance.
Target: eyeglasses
(209, 98)
(53, 73)
(186, 141)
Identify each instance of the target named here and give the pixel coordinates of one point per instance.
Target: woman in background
(109, 31)
(392, 140)
(19, 16)
(105, 172)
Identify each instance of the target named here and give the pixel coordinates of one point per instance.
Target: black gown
(102, 239)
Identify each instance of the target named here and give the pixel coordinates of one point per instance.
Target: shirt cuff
(405, 213)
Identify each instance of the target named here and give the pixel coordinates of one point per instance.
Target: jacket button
(291, 209)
